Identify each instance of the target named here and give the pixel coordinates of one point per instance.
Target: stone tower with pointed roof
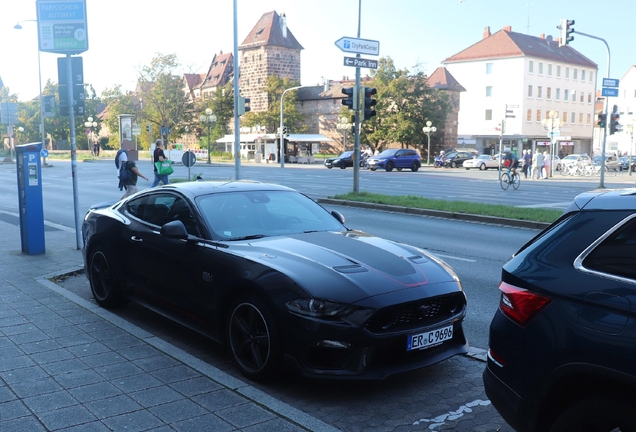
(269, 49)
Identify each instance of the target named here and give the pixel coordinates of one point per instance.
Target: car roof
(611, 199)
(197, 188)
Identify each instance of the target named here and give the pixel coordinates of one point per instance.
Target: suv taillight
(520, 305)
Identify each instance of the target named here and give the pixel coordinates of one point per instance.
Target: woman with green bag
(158, 158)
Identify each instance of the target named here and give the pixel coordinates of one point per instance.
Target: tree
(162, 99)
(404, 103)
(222, 105)
(117, 102)
(270, 118)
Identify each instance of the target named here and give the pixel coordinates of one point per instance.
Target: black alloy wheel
(102, 277)
(390, 166)
(415, 167)
(253, 338)
(453, 164)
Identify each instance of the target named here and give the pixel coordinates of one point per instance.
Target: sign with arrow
(360, 62)
(358, 46)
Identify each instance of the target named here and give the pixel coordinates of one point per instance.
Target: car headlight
(319, 308)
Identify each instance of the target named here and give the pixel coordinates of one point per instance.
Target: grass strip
(496, 210)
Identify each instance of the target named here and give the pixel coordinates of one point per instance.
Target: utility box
(30, 201)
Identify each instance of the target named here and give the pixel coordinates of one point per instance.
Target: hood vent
(355, 268)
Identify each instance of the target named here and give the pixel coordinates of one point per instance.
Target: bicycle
(506, 179)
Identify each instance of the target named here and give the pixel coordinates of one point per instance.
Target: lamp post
(428, 130)
(42, 131)
(208, 119)
(553, 125)
(344, 125)
(20, 130)
(280, 131)
(90, 125)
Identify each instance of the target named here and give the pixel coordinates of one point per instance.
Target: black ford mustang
(277, 278)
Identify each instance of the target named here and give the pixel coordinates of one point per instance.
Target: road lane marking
(451, 415)
(550, 205)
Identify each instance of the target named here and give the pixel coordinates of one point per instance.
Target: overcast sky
(125, 34)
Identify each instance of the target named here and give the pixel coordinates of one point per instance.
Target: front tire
(453, 164)
(597, 414)
(102, 277)
(390, 166)
(482, 167)
(253, 338)
(504, 180)
(343, 166)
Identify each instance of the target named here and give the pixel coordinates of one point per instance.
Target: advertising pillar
(30, 198)
(126, 136)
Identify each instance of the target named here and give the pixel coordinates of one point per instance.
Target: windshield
(237, 215)
(388, 152)
(345, 154)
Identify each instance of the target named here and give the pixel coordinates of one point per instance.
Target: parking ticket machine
(30, 198)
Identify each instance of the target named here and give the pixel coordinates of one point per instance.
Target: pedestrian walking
(131, 178)
(527, 162)
(539, 164)
(159, 156)
(546, 164)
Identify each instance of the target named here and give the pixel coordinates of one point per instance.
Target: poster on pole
(62, 26)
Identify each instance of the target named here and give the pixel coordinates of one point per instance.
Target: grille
(417, 314)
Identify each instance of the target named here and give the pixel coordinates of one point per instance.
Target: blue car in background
(396, 158)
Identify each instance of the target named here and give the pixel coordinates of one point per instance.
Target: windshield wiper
(248, 237)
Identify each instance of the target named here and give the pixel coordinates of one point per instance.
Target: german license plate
(429, 339)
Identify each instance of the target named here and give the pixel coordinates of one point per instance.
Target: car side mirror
(174, 230)
(338, 216)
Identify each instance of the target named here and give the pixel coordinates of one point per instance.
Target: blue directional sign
(358, 46)
(610, 82)
(8, 113)
(62, 26)
(609, 92)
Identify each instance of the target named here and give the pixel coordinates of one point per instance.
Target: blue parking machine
(30, 198)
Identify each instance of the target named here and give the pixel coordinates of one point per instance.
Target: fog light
(334, 344)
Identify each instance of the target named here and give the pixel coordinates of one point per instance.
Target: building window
(488, 68)
(589, 117)
(580, 118)
(582, 97)
(573, 118)
(557, 94)
(591, 74)
(549, 69)
(488, 91)
(565, 117)
(558, 74)
(259, 80)
(567, 72)
(548, 92)
(573, 98)
(538, 115)
(530, 66)
(488, 114)
(539, 92)
(575, 73)
(540, 68)
(566, 95)
(582, 74)
(589, 98)
(529, 115)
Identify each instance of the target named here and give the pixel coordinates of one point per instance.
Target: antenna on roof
(528, 26)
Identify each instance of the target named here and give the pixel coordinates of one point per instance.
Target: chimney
(283, 24)
(487, 32)
(507, 28)
(542, 35)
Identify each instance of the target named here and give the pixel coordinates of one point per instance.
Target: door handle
(136, 239)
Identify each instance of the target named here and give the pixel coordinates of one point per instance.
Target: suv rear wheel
(600, 413)
(415, 166)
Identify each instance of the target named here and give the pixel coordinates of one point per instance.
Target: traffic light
(368, 103)
(602, 119)
(614, 125)
(351, 101)
(285, 131)
(147, 128)
(566, 32)
(243, 105)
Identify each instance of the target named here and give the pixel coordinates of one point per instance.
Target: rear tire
(415, 167)
(601, 413)
(253, 338)
(504, 180)
(102, 277)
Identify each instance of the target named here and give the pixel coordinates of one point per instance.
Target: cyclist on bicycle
(510, 160)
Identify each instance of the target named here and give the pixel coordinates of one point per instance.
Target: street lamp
(208, 119)
(20, 130)
(280, 131)
(90, 125)
(428, 130)
(553, 125)
(19, 27)
(344, 125)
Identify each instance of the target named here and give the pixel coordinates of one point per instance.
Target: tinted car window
(387, 153)
(616, 255)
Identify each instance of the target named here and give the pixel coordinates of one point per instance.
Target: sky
(124, 35)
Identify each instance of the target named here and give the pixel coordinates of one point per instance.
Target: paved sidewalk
(67, 365)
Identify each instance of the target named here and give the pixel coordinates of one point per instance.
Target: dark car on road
(625, 162)
(397, 158)
(279, 280)
(456, 159)
(563, 342)
(344, 160)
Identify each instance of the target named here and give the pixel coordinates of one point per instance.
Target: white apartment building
(521, 79)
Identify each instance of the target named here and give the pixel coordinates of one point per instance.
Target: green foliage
(511, 212)
(270, 118)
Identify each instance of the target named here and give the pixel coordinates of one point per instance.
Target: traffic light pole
(605, 109)
(356, 124)
(73, 142)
